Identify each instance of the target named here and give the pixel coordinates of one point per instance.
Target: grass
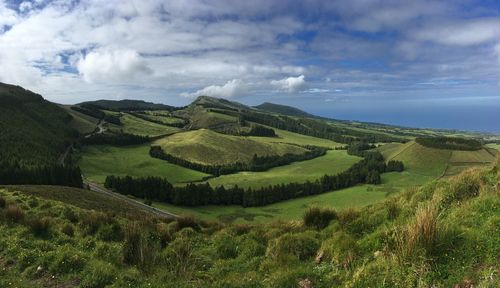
(163, 117)
(97, 162)
(333, 162)
(138, 126)
(358, 196)
(81, 122)
(209, 147)
(84, 199)
(441, 235)
(298, 139)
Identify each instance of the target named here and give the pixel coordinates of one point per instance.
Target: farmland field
(333, 162)
(357, 196)
(208, 147)
(134, 125)
(97, 162)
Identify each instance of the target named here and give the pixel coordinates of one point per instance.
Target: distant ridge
(213, 102)
(127, 105)
(283, 109)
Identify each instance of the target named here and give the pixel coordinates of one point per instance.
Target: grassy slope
(333, 162)
(442, 235)
(97, 162)
(134, 125)
(208, 147)
(81, 122)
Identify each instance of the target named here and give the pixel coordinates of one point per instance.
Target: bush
(347, 216)
(132, 253)
(92, 221)
(187, 221)
(341, 249)
(2, 202)
(464, 186)
(67, 260)
(299, 246)
(225, 246)
(14, 213)
(419, 237)
(318, 218)
(110, 232)
(39, 226)
(392, 209)
(68, 230)
(98, 275)
(70, 214)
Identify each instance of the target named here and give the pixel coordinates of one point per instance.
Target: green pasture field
(163, 117)
(137, 126)
(97, 162)
(357, 196)
(333, 162)
(209, 147)
(298, 139)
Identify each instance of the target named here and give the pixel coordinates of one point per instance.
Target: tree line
(122, 139)
(310, 127)
(93, 111)
(143, 116)
(367, 170)
(451, 143)
(258, 163)
(261, 131)
(15, 174)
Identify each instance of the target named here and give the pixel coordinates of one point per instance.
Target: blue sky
(351, 59)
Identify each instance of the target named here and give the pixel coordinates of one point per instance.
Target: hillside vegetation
(33, 131)
(208, 147)
(282, 109)
(440, 235)
(437, 162)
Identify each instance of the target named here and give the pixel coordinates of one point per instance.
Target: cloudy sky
(352, 59)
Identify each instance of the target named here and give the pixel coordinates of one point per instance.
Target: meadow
(333, 162)
(138, 126)
(97, 162)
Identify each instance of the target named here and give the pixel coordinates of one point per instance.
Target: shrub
(392, 209)
(110, 232)
(299, 246)
(341, 249)
(347, 216)
(68, 230)
(67, 260)
(464, 186)
(132, 248)
(98, 275)
(39, 226)
(225, 246)
(318, 218)
(419, 236)
(70, 214)
(14, 213)
(92, 221)
(2, 202)
(187, 221)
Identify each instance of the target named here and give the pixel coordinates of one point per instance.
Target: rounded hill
(208, 147)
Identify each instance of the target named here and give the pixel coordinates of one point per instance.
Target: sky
(414, 62)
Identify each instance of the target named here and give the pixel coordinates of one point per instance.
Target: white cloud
(471, 32)
(117, 65)
(232, 88)
(290, 84)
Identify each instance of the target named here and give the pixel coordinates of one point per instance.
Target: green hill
(282, 109)
(83, 123)
(208, 147)
(127, 105)
(436, 162)
(441, 235)
(33, 130)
